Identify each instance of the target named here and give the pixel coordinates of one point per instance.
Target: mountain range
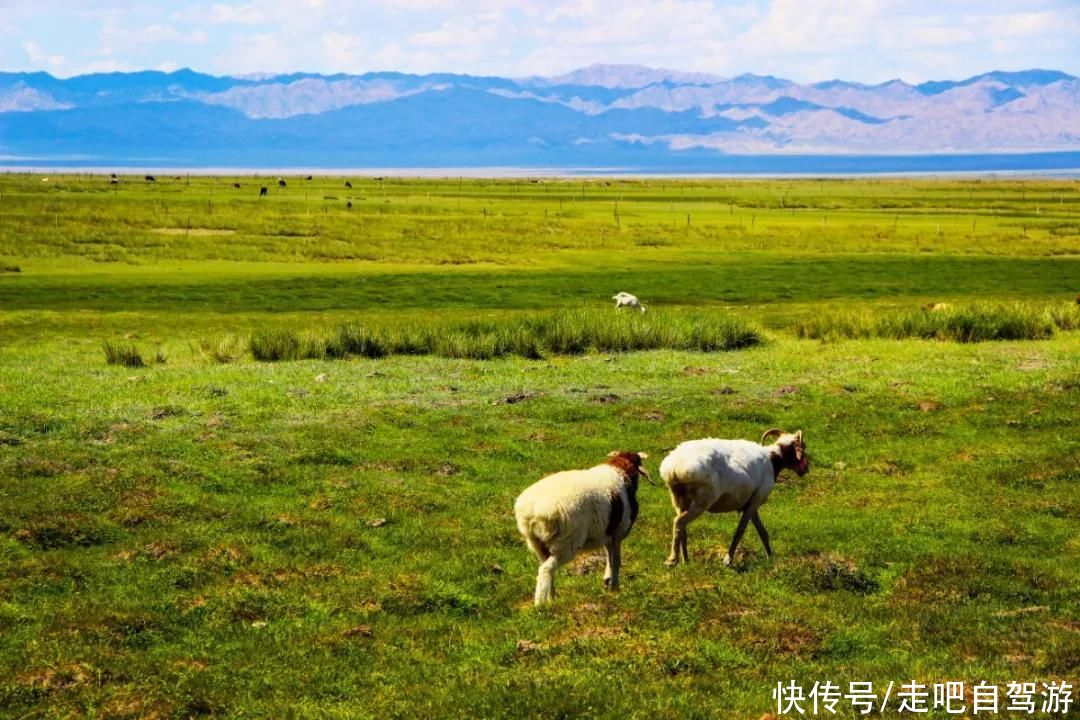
(600, 116)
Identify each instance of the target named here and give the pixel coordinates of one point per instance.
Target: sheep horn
(643, 471)
(772, 431)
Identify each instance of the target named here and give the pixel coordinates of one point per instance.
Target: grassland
(216, 535)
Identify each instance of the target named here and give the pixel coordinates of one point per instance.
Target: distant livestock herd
(264, 191)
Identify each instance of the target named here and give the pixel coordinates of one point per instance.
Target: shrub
(126, 354)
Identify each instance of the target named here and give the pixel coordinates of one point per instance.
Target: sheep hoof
(671, 561)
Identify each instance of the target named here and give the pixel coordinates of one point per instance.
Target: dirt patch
(836, 572)
(515, 398)
(587, 565)
(785, 390)
(58, 678)
(195, 232)
(359, 632)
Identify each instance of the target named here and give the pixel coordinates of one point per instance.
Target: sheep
(150, 179)
(236, 186)
(624, 299)
(728, 476)
(348, 205)
(309, 178)
(281, 183)
(576, 510)
(348, 184)
(264, 191)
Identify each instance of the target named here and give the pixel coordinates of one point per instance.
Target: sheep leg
(614, 562)
(545, 581)
(743, 519)
(761, 531)
(679, 534)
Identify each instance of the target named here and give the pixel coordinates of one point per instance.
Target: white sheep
(728, 476)
(624, 299)
(576, 510)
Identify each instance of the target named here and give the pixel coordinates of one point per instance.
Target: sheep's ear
(613, 453)
(798, 435)
(643, 456)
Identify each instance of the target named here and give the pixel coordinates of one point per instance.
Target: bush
(125, 354)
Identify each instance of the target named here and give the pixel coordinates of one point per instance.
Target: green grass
(332, 537)
(125, 354)
(565, 332)
(970, 323)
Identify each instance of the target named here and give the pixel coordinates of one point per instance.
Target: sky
(803, 40)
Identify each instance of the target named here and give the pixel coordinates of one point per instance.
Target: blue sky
(805, 40)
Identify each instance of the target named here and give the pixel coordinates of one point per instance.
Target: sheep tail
(539, 533)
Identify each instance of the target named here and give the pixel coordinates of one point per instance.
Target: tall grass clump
(274, 345)
(569, 332)
(971, 323)
(1065, 316)
(222, 349)
(355, 340)
(125, 354)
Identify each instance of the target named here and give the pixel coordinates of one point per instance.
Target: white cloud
(40, 58)
(221, 14)
(867, 40)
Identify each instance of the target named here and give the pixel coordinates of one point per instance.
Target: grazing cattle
(281, 183)
(150, 178)
(348, 184)
(263, 191)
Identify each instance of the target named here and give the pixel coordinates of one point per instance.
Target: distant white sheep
(728, 476)
(576, 510)
(624, 299)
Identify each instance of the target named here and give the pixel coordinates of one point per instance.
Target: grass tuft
(126, 354)
(566, 332)
(973, 323)
(222, 349)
